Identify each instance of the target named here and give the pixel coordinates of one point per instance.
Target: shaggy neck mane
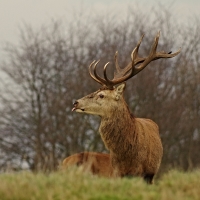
(118, 128)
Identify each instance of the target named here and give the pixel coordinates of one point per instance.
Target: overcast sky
(36, 12)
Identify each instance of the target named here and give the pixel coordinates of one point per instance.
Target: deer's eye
(101, 96)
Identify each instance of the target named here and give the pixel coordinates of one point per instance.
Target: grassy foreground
(74, 185)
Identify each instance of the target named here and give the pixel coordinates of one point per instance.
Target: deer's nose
(75, 103)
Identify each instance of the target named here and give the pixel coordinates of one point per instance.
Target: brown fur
(134, 143)
(96, 163)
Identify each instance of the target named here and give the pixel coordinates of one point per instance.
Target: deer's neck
(117, 128)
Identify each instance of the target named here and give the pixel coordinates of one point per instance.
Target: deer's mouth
(78, 109)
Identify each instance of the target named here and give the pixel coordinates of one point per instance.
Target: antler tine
(155, 44)
(104, 72)
(167, 55)
(92, 66)
(118, 69)
(134, 53)
(103, 81)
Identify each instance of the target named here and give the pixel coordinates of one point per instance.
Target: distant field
(74, 185)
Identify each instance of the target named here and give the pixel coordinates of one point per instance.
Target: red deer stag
(96, 163)
(134, 143)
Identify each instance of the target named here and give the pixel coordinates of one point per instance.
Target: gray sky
(36, 12)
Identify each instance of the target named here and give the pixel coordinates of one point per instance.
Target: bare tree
(37, 117)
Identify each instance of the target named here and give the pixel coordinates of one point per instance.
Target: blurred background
(46, 48)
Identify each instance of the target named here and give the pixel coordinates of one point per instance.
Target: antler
(130, 70)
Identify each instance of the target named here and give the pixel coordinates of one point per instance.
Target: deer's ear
(119, 90)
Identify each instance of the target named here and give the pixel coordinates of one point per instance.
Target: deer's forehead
(104, 92)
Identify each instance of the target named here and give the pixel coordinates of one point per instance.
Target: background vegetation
(48, 70)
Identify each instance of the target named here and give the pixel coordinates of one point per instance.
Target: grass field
(75, 185)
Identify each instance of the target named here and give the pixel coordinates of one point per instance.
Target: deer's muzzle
(76, 103)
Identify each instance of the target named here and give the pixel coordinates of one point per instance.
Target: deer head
(107, 98)
(100, 102)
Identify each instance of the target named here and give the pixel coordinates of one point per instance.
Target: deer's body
(134, 143)
(96, 163)
(135, 146)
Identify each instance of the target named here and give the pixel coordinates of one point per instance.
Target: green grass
(74, 185)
